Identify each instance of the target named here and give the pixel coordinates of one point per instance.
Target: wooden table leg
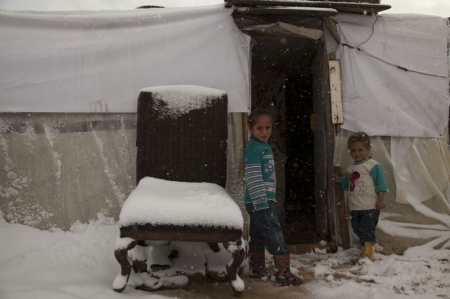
(120, 282)
(238, 252)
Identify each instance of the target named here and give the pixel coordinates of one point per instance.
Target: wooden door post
(342, 208)
(244, 129)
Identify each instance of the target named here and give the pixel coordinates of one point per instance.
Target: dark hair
(256, 114)
(359, 137)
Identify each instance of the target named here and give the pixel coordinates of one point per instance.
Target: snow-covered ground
(80, 264)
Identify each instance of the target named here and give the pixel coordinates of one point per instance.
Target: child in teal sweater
(260, 191)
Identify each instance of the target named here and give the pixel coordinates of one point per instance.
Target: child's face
(359, 151)
(262, 128)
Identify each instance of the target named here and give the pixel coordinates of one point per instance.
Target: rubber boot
(257, 264)
(368, 250)
(284, 276)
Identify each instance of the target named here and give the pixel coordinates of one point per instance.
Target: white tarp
(99, 61)
(418, 201)
(382, 98)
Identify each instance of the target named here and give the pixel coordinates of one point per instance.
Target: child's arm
(379, 180)
(254, 181)
(380, 201)
(343, 180)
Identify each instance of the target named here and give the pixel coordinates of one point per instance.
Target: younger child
(366, 186)
(265, 229)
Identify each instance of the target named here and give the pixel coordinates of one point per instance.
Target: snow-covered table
(167, 210)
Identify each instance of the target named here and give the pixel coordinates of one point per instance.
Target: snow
(80, 264)
(180, 99)
(159, 201)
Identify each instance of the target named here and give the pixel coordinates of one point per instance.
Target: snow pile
(343, 275)
(164, 265)
(80, 263)
(157, 201)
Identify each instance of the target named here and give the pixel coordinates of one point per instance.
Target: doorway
(283, 82)
(300, 204)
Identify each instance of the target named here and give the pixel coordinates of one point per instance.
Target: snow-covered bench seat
(179, 211)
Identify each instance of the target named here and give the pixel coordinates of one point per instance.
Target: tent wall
(394, 74)
(95, 62)
(395, 83)
(418, 201)
(61, 168)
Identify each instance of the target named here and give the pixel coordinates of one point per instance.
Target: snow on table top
(180, 99)
(162, 202)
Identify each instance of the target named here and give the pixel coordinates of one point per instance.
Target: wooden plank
(344, 6)
(283, 12)
(337, 116)
(244, 129)
(180, 233)
(342, 208)
(184, 236)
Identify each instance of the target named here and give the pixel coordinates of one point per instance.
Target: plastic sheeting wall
(394, 71)
(98, 62)
(418, 202)
(57, 169)
(395, 76)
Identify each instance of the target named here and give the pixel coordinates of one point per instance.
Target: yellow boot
(368, 250)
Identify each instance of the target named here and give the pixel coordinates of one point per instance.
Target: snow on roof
(180, 99)
(162, 202)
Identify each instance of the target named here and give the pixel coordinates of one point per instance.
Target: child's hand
(380, 204)
(380, 201)
(335, 178)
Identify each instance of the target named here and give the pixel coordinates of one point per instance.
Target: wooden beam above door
(349, 6)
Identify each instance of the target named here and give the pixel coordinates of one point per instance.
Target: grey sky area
(429, 7)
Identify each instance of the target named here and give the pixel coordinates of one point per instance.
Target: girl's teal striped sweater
(260, 175)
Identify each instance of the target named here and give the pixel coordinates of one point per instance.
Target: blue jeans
(364, 223)
(265, 230)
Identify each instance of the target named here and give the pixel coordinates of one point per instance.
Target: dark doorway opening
(282, 81)
(300, 204)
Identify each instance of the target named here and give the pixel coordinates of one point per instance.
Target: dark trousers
(364, 223)
(265, 230)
